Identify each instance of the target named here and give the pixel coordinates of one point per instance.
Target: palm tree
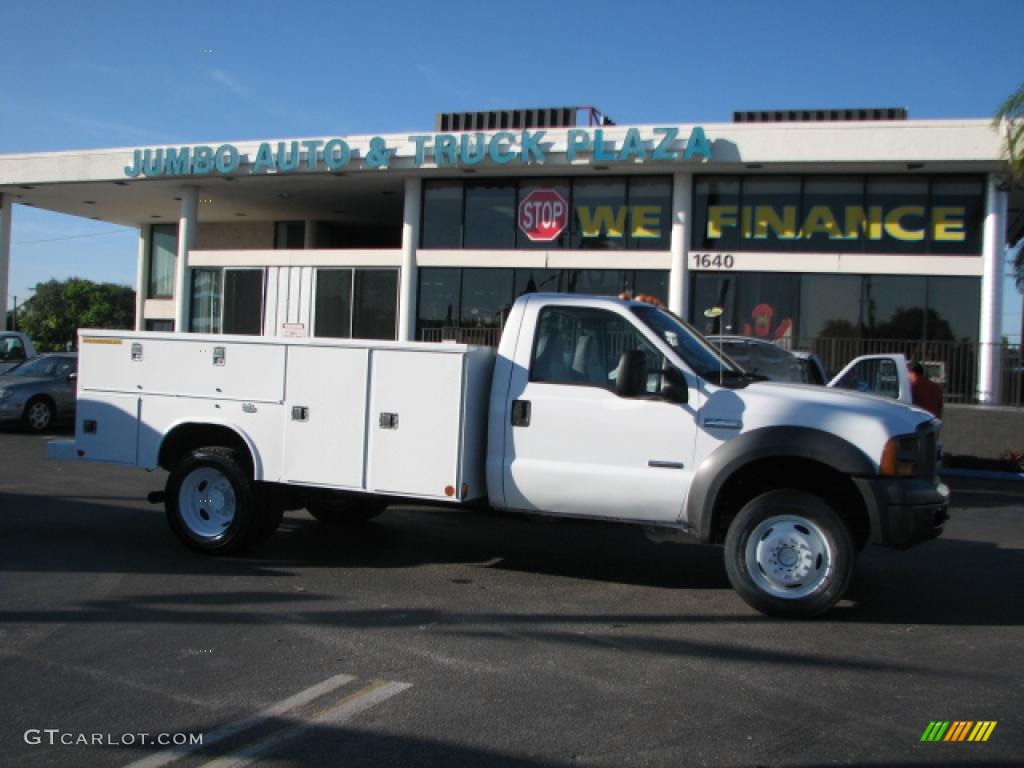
(1010, 119)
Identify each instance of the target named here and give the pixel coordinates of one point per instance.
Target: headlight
(900, 456)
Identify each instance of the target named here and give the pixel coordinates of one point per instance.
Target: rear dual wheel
(212, 505)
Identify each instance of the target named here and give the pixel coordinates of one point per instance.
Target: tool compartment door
(325, 416)
(416, 406)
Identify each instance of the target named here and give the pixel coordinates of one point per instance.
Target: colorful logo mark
(959, 730)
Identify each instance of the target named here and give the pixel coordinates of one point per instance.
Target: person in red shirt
(924, 392)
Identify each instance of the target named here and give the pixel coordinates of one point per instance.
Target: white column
(992, 254)
(410, 241)
(187, 223)
(142, 267)
(682, 222)
(5, 255)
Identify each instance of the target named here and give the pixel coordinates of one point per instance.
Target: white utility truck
(592, 407)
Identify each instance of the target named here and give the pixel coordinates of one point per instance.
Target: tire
(344, 511)
(789, 554)
(38, 415)
(211, 505)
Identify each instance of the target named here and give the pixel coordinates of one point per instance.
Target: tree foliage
(56, 311)
(1009, 118)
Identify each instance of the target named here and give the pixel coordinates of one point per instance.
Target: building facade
(805, 231)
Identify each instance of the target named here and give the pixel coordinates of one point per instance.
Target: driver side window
(582, 346)
(11, 349)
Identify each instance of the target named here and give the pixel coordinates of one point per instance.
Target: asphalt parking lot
(450, 638)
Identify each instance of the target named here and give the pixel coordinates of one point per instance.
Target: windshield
(695, 351)
(44, 368)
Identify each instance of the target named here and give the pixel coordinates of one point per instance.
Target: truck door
(884, 375)
(575, 447)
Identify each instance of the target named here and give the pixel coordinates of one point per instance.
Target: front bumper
(904, 511)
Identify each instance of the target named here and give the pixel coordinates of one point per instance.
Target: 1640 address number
(713, 261)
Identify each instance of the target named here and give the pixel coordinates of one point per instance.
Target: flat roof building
(827, 229)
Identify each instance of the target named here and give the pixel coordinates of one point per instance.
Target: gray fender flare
(770, 442)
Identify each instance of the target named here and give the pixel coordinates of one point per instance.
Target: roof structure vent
(820, 115)
(518, 119)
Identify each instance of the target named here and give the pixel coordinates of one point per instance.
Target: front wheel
(788, 553)
(210, 502)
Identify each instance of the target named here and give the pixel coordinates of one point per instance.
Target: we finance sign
(441, 150)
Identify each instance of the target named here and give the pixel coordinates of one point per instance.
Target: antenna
(717, 312)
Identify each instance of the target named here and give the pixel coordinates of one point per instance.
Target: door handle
(520, 413)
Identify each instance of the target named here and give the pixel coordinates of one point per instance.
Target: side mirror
(631, 374)
(675, 389)
(73, 376)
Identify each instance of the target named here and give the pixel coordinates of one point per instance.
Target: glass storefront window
(650, 214)
(490, 214)
(599, 214)
(954, 306)
(830, 306)
(955, 200)
(289, 234)
(486, 297)
(442, 215)
(206, 299)
(769, 214)
(243, 301)
(716, 202)
(356, 303)
(438, 302)
(163, 251)
(333, 303)
(839, 214)
(375, 312)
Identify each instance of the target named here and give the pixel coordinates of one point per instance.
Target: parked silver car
(39, 391)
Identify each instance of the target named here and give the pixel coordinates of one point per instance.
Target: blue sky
(135, 72)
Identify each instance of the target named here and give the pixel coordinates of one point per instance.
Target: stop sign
(543, 215)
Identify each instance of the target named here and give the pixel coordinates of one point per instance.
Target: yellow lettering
(894, 224)
(859, 223)
(646, 221)
(765, 217)
(820, 219)
(594, 221)
(948, 225)
(745, 216)
(719, 217)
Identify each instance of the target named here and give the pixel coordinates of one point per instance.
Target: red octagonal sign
(543, 215)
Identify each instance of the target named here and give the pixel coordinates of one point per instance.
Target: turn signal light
(899, 457)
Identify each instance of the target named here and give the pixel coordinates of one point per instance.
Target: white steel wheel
(207, 503)
(788, 556)
(788, 553)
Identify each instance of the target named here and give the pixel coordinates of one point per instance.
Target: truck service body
(591, 407)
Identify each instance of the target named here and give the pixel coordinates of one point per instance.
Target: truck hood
(866, 421)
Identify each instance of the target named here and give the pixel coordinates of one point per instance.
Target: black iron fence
(953, 364)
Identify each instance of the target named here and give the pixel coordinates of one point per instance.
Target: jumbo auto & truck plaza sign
(438, 149)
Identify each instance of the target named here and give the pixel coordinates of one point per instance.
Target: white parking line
(219, 734)
(340, 713)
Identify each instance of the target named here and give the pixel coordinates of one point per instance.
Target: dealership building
(842, 231)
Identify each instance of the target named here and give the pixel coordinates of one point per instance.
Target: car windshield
(44, 368)
(687, 342)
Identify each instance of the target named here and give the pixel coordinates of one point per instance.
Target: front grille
(928, 460)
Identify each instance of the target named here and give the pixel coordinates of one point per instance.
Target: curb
(982, 474)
